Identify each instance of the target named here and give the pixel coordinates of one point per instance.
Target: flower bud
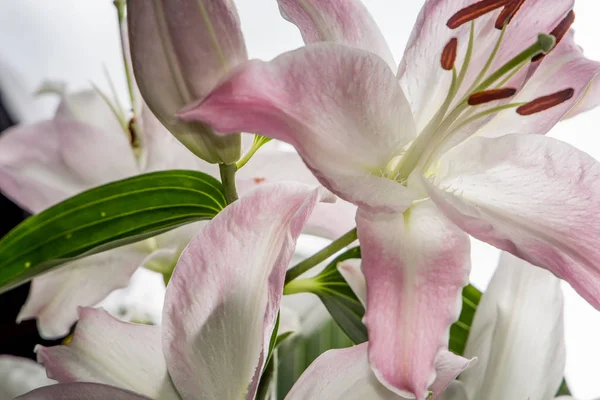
(180, 50)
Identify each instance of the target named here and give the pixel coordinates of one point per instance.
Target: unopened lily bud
(180, 50)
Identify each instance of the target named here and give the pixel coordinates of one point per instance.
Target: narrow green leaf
(459, 331)
(106, 217)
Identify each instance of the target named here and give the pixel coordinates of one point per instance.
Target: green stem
(300, 286)
(228, 179)
(120, 5)
(257, 144)
(321, 256)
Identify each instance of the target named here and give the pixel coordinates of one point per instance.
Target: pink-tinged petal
(222, 301)
(86, 106)
(81, 391)
(44, 163)
(289, 321)
(329, 220)
(416, 265)
(19, 376)
(447, 367)
(565, 67)
(106, 350)
(54, 297)
(530, 195)
(352, 273)
(420, 73)
(342, 21)
(346, 132)
(517, 335)
(180, 50)
(340, 375)
(455, 391)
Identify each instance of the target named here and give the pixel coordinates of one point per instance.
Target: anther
(490, 95)
(449, 54)
(546, 102)
(559, 31)
(475, 11)
(508, 13)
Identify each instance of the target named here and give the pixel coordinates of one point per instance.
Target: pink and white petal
(343, 21)
(346, 132)
(81, 391)
(530, 195)
(230, 279)
(352, 273)
(86, 106)
(447, 367)
(329, 220)
(44, 163)
(289, 320)
(517, 335)
(108, 351)
(20, 375)
(415, 265)
(565, 67)
(342, 374)
(420, 73)
(54, 297)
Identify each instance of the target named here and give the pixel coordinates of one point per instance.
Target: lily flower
(221, 307)
(517, 336)
(20, 375)
(85, 146)
(451, 145)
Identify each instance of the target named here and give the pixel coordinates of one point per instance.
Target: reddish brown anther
(559, 32)
(475, 11)
(258, 180)
(449, 54)
(490, 95)
(546, 102)
(508, 13)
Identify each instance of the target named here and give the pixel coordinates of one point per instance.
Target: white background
(72, 40)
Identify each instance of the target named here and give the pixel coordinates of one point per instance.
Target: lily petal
(517, 335)
(230, 279)
(81, 391)
(106, 350)
(44, 163)
(366, 124)
(342, 374)
(329, 220)
(416, 265)
(54, 297)
(342, 21)
(420, 73)
(352, 273)
(565, 67)
(530, 195)
(447, 367)
(20, 375)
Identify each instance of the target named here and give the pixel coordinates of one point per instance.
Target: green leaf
(106, 217)
(300, 350)
(459, 331)
(337, 296)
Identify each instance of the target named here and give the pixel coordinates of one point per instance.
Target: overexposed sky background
(73, 40)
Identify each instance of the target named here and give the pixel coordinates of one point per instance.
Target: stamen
(491, 95)
(559, 32)
(546, 102)
(475, 11)
(508, 13)
(449, 54)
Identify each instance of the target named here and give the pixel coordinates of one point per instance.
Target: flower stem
(120, 5)
(321, 256)
(228, 179)
(257, 144)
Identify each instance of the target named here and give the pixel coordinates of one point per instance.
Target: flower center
(444, 130)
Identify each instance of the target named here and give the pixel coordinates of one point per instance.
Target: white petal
(352, 273)
(105, 350)
(19, 376)
(517, 335)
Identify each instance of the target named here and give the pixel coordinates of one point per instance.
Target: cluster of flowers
(448, 145)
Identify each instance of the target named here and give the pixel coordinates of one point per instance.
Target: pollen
(546, 102)
(27, 264)
(449, 54)
(475, 11)
(491, 95)
(508, 13)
